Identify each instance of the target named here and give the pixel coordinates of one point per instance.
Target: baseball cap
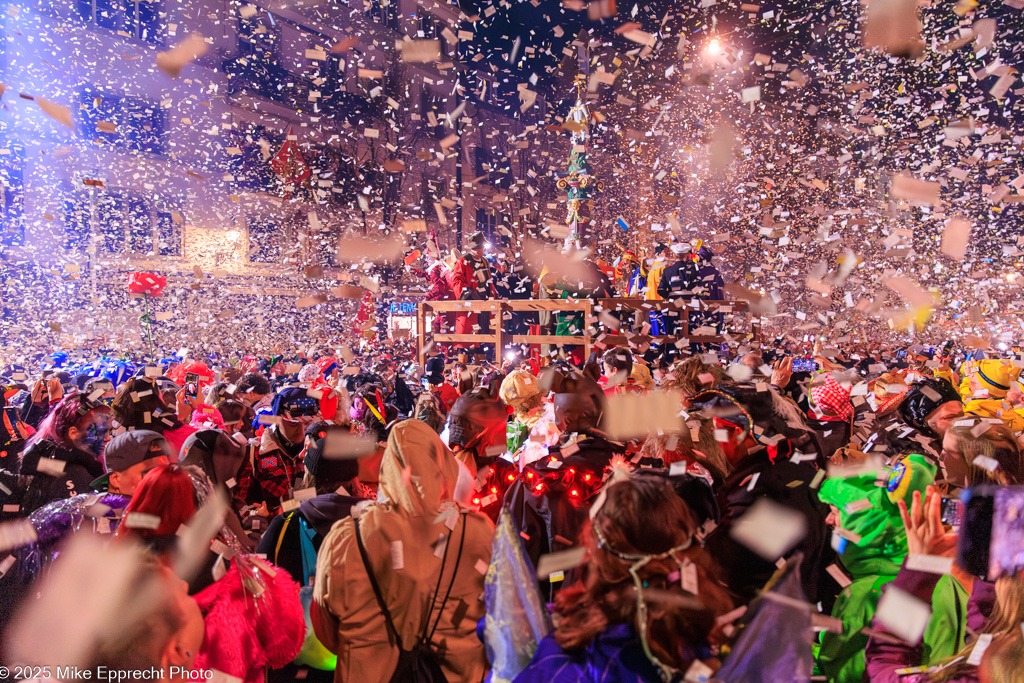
(129, 449)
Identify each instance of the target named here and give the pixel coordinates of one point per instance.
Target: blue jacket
(615, 656)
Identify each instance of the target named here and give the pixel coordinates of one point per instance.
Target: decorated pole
(579, 183)
(146, 285)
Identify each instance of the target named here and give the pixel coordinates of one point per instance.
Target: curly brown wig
(642, 516)
(135, 398)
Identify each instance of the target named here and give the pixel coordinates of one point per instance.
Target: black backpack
(420, 664)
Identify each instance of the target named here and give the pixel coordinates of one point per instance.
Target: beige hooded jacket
(417, 477)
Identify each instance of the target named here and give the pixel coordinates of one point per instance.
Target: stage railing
(605, 328)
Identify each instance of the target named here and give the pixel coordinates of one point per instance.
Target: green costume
(516, 434)
(871, 512)
(569, 324)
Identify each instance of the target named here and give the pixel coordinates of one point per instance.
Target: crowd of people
(680, 273)
(793, 513)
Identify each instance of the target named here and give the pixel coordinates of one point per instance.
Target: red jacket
(245, 635)
(447, 394)
(440, 286)
(466, 284)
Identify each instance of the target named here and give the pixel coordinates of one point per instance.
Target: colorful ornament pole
(579, 183)
(146, 285)
(148, 319)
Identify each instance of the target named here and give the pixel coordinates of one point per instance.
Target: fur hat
(518, 388)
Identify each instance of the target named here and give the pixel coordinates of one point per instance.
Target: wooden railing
(605, 328)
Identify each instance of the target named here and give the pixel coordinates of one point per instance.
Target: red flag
(288, 163)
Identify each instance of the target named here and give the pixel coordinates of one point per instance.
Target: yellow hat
(996, 376)
(518, 387)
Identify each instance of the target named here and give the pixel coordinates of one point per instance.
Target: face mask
(96, 437)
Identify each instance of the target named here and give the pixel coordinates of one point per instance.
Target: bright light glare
(714, 48)
(510, 355)
(1010, 277)
(232, 234)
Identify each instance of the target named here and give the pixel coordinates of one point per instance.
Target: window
(323, 247)
(259, 67)
(12, 197)
(132, 18)
(266, 240)
(132, 123)
(487, 223)
(125, 224)
(428, 190)
(168, 236)
(139, 224)
(488, 170)
(438, 105)
(258, 36)
(249, 168)
(77, 214)
(385, 12)
(111, 220)
(334, 75)
(428, 29)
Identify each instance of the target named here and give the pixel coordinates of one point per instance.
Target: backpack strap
(280, 536)
(424, 637)
(455, 571)
(307, 550)
(376, 589)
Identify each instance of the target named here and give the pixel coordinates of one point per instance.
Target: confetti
(58, 112)
(769, 529)
(187, 51)
(903, 615)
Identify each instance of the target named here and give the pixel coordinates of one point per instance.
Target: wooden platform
(603, 327)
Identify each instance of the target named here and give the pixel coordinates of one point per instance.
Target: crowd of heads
(264, 506)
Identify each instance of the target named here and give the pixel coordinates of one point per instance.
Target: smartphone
(972, 551)
(804, 365)
(9, 425)
(1006, 553)
(192, 385)
(952, 511)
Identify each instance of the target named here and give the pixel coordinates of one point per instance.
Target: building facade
(109, 164)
